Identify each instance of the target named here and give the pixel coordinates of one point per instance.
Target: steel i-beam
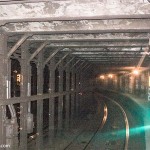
(67, 97)
(62, 59)
(51, 56)
(37, 51)
(51, 100)
(69, 62)
(3, 64)
(14, 48)
(23, 106)
(73, 94)
(80, 65)
(39, 140)
(60, 100)
(75, 64)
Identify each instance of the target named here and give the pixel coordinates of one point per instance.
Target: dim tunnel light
(135, 72)
(110, 76)
(102, 77)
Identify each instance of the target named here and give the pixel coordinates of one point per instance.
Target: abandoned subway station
(75, 75)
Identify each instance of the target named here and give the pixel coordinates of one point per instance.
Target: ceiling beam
(9, 2)
(99, 44)
(88, 54)
(110, 56)
(113, 49)
(91, 37)
(84, 26)
(115, 59)
(89, 40)
(104, 37)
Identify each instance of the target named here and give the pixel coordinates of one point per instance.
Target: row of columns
(135, 84)
(128, 83)
(25, 89)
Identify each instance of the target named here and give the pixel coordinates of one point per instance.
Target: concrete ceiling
(101, 32)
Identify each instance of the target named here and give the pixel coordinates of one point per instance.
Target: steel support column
(3, 85)
(39, 140)
(29, 86)
(73, 94)
(13, 141)
(60, 101)
(67, 98)
(81, 89)
(77, 92)
(140, 85)
(51, 100)
(24, 106)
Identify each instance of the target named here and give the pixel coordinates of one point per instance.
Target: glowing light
(102, 77)
(110, 76)
(135, 72)
(120, 134)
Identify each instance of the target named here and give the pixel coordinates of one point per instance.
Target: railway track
(91, 140)
(120, 128)
(93, 135)
(79, 143)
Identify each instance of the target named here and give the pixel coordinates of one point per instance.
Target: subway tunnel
(74, 75)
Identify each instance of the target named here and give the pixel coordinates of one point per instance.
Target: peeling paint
(72, 9)
(89, 37)
(100, 34)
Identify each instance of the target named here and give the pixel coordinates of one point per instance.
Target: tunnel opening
(59, 59)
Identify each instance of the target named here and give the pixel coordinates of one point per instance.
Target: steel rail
(105, 116)
(33, 136)
(73, 140)
(126, 121)
(101, 126)
(102, 123)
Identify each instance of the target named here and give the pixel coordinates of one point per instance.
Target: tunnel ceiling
(113, 33)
